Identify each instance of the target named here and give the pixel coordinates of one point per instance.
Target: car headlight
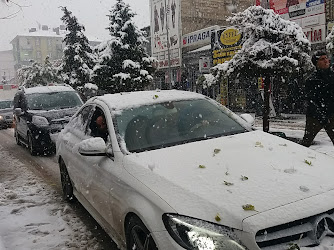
(1, 117)
(40, 121)
(196, 234)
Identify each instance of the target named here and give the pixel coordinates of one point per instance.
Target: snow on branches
(78, 59)
(271, 45)
(330, 41)
(38, 75)
(123, 64)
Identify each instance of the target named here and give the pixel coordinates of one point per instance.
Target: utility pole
(169, 83)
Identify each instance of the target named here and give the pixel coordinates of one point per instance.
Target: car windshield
(168, 124)
(53, 100)
(5, 104)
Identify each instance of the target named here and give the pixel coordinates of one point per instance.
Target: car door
(75, 132)
(21, 118)
(95, 172)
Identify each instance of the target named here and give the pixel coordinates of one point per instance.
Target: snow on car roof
(47, 89)
(134, 99)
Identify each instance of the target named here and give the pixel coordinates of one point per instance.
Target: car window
(167, 124)
(80, 121)
(5, 104)
(98, 125)
(53, 100)
(19, 101)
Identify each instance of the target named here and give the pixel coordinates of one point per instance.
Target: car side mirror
(248, 118)
(92, 147)
(18, 111)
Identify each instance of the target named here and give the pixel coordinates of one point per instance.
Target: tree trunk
(266, 96)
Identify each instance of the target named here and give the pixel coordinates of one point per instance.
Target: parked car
(180, 171)
(41, 112)
(6, 114)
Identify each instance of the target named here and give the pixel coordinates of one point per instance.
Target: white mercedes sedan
(176, 170)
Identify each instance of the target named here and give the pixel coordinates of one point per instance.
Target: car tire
(66, 183)
(138, 236)
(17, 138)
(31, 145)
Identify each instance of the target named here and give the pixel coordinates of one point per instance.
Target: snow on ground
(33, 216)
(294, 128)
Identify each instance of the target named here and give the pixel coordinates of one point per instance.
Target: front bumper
(42, 135)
(165, 242)
(6, 122)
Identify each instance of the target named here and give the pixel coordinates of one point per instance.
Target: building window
(37, 42)
(38, 55)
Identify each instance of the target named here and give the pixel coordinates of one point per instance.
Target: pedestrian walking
(319, 90)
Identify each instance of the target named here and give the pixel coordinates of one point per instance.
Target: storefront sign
(199, 37)
(204, 64)
(224, 44)
(230, 36)
(310, 21)
(316, 34)
(291, 9)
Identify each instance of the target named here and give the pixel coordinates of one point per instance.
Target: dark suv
(40, 113)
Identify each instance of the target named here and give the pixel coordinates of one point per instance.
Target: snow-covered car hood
(6, 111)
(56, 114)
(219, 176)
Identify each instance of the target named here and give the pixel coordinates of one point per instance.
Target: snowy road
(32, 212)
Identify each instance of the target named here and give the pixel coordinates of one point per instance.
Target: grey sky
(90, 13)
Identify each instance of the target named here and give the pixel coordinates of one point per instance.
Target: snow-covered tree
(78, 60)
(39, 75)
(205, 81)
(330, 42)
(123, 64)
(272, 47)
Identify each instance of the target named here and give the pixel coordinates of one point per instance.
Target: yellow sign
(260, 82)
(230, 36)
(224, 92)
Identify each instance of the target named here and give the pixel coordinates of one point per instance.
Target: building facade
(174, 20)
(7, 70)
(36, 46)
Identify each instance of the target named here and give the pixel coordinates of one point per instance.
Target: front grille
(57, 125)
(305, 232)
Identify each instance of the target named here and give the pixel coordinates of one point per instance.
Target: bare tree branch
(10, 3)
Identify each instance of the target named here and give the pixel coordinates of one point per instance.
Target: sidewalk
(293, 126)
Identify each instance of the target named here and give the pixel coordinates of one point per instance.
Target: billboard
(306, 13)
(224, 44)
(165, 28)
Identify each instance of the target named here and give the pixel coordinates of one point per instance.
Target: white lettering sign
(200, 37)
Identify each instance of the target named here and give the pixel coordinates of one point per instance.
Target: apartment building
(37, 45)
